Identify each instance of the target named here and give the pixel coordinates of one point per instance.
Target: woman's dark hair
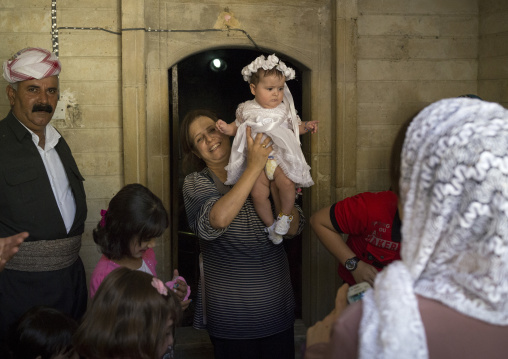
(127, 318)
(133, 213)
(191, 162)
(395, 161)
(44, 332)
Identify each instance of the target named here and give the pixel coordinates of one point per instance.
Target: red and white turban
(32, 63)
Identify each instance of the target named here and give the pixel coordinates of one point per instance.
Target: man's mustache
(41, 107)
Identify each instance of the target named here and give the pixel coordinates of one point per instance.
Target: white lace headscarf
(454, 191)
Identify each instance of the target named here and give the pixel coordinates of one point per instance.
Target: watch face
(351, 264)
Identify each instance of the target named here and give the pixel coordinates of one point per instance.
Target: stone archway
(147, 56)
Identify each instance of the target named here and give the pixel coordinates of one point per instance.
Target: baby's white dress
(277, 124)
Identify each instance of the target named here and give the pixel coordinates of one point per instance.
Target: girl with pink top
(126, 236)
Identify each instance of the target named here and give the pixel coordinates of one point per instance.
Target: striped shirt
(248, 291)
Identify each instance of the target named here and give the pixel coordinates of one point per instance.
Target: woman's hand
(228, 206)
(257, 150)
(320, 332)
(364, 272)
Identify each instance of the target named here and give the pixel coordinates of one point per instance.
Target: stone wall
(410, 53)
(493, 51)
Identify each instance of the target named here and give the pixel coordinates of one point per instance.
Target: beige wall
(410, 53)
(369, 65)
(92, 72)
(493, 51)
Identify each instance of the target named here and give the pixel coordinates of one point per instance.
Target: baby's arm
(226, 128)
(308, 126)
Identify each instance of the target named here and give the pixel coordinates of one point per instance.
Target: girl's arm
(228, 206)
(226, 128)
(308, 126)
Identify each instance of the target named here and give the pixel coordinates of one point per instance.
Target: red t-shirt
(368, 219)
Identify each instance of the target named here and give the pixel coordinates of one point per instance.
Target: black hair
(42, 331)
(134, 212)
(470, 95)
(395, 160)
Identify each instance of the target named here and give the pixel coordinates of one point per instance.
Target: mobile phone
(355, 292)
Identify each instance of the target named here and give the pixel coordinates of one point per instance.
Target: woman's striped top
(248, 291)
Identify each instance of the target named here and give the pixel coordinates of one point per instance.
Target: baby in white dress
(272, 113)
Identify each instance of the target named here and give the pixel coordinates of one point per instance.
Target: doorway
(212, 80)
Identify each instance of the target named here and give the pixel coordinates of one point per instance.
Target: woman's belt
(45, 256)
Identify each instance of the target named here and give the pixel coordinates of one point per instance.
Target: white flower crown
(267, 64)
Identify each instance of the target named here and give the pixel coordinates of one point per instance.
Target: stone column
(134, 92)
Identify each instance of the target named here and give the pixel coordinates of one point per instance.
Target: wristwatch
(351, 263)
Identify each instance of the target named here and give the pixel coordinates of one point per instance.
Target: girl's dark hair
(395, 160)
(44, 332)
(127, 318)
(191, 162)
(133, 213)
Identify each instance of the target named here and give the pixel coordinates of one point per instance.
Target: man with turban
(42, 196)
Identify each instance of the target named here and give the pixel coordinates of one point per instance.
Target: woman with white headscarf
(448, 296)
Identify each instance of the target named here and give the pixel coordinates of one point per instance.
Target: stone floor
(191, 343)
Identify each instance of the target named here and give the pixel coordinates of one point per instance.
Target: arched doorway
(194, 83)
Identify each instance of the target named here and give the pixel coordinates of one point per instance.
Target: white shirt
(144, 268)
(56, 174)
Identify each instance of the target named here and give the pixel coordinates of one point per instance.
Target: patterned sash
(45, 256)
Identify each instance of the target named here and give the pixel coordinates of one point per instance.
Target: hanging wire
(148, 30)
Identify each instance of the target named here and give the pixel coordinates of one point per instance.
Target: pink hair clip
(161, 288)
(103, 219)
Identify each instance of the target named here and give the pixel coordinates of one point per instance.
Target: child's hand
(226, 128)
(310, 126)
(185, 303)
(221, 126)
(180, 287)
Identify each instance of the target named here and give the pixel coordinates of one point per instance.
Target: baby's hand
(311, 126)
(221, 126)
